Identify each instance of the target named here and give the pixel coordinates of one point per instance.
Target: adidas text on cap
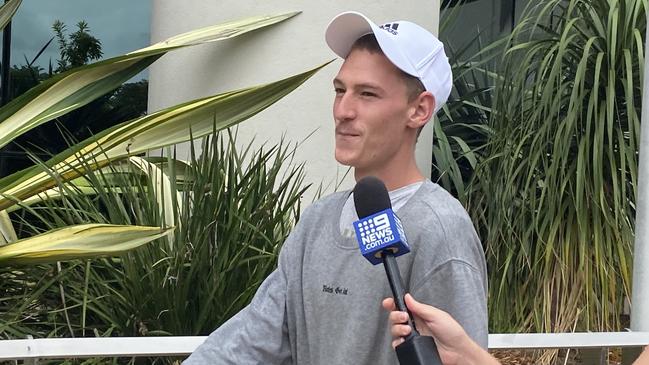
(411, 48)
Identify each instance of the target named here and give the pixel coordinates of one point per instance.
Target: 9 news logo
(379, 232)
(375, 231)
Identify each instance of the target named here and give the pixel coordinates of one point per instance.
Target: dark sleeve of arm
(258, 334)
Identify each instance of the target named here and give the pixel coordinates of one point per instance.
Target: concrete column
(270, 54)
(640, 290)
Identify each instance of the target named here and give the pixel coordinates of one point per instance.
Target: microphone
(381, 238)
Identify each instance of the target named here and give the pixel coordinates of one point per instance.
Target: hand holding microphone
(454, 345)
(381, 238)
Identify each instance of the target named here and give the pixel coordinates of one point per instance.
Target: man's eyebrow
(367, 86)
(337, 81)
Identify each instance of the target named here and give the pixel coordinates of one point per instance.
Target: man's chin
(345, 160)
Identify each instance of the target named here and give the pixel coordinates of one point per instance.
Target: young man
(321, 305)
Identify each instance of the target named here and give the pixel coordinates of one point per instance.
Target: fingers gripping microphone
(381, 238)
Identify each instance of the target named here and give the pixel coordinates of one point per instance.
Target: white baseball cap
(411, 48)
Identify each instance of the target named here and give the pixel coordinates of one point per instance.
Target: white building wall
(271, 54)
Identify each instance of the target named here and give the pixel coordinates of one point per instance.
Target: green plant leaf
(80, 241)
(163, 190)
(50, 194)
(7, 232)
(7, 11)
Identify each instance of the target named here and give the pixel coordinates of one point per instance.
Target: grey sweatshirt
(322, 305)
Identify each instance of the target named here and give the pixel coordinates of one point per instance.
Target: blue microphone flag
(378, 232)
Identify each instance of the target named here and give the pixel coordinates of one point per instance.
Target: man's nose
(344, 108)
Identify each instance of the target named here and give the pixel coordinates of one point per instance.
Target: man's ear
(422, 109)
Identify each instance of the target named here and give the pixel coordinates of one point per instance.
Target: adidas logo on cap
(390, 27)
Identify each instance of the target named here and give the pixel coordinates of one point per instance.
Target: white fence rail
(52, 348)
(56, 348)
(578, 340)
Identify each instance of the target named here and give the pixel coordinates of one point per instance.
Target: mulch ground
(514, 357)
(529, 357)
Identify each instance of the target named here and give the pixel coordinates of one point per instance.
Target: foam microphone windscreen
(370, 196)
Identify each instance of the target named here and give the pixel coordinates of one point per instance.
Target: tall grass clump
(561, 172)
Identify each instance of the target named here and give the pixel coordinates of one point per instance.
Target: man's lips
(347, 133)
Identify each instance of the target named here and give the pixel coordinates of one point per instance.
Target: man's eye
(368, 94)
(339, 90)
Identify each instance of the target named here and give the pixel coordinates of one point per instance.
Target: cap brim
(345, 29)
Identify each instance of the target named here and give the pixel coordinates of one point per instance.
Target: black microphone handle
(416, 349)
(398, 293)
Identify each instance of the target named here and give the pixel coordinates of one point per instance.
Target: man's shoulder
(325, 205)
(440, 221)
(329, 201)
(437, 212)
(431, 200)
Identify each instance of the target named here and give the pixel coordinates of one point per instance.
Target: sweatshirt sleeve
(258, 334)
(457, 288)
(449, 272)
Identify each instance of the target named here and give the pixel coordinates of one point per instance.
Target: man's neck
(394, 178)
